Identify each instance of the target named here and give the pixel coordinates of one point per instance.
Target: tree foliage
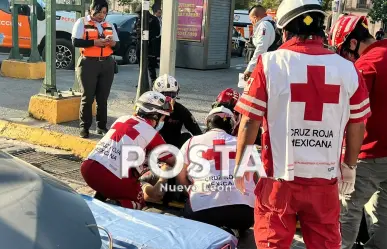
(271, 4)
(379, 11)
(327, 4)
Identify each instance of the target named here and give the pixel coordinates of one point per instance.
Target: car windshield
(117, 19)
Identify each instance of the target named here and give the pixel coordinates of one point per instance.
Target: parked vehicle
(238, 43)
(126, 30)
(64, 23)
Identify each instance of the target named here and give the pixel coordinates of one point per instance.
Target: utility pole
(15, 52)
(143, 81)
(168, 38)
(49, 83)
(337, 10)
(34, 55)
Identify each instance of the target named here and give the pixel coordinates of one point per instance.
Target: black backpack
(277, 40)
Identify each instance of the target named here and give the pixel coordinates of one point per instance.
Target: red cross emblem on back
(126, 128)
(211, 155)
(315, 93)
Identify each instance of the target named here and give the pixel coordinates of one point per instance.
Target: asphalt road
(198, 90)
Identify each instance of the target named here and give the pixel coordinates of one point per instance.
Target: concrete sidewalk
(198, 90)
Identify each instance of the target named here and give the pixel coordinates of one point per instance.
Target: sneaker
(102, 131)
(84, 133)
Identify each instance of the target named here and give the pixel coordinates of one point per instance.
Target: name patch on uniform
(312, 138)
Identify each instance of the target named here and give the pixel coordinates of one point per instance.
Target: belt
(104, 58)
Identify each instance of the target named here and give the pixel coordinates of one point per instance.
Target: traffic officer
(96, 39)
(305, 103)
(351, 39)
(262, 39)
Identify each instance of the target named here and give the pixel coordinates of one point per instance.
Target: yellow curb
(23, 69)
(39, 136)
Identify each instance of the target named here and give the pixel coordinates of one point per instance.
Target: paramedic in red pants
(352, 40)
(304, 101)
(101, 169)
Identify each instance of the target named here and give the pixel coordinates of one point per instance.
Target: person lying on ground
(102, 170)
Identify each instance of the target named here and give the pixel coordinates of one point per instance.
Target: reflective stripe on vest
(91, 33)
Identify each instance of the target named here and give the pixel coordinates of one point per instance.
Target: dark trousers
(95, 79)
(240, 217)
(152, 63)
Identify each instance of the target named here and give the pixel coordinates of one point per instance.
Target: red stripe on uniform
(252, 105)
(361, 109)
(248, 114)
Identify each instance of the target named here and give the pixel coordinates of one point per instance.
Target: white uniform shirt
(79, 28)
(202, 194)
(305, 95)
(127, 130)
(263, 38)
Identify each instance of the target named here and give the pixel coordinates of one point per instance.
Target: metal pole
(34, 56)
(49, 83)
(76, 87)
(168, 38)
(15, 52)
(336, 11)
(143, 81)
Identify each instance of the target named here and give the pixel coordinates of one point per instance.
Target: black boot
(84, 133)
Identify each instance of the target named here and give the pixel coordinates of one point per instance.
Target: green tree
(271, 4)
(326, 4)
(378, 13)
(242, 4)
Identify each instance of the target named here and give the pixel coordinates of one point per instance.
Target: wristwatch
(347, 166)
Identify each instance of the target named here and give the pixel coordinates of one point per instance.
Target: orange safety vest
(91, 33)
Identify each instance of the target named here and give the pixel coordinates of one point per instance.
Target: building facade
(362, 7)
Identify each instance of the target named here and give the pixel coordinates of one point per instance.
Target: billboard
(190, 18)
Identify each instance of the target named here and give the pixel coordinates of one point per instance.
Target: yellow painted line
(43, 137)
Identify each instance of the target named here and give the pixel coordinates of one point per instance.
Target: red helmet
(343, 28)
(227, 98)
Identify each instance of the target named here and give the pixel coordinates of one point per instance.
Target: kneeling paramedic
(171, 131)
(102, 167)
(352, 40)
(229, 98)
(214, 198)
(96, 39)
(305, 102)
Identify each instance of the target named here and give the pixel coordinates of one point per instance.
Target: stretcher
(132, 229)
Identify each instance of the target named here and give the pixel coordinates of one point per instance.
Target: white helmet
(291, 9)
(166, 84)
(222, 112)
(152, 103)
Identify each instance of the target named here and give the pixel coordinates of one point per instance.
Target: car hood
(37, 211)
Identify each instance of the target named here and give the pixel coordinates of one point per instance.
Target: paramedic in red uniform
(229, 98)
(101, 169)
(304, 101)
(352, 40)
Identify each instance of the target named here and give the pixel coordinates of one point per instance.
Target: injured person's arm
(154, 187)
